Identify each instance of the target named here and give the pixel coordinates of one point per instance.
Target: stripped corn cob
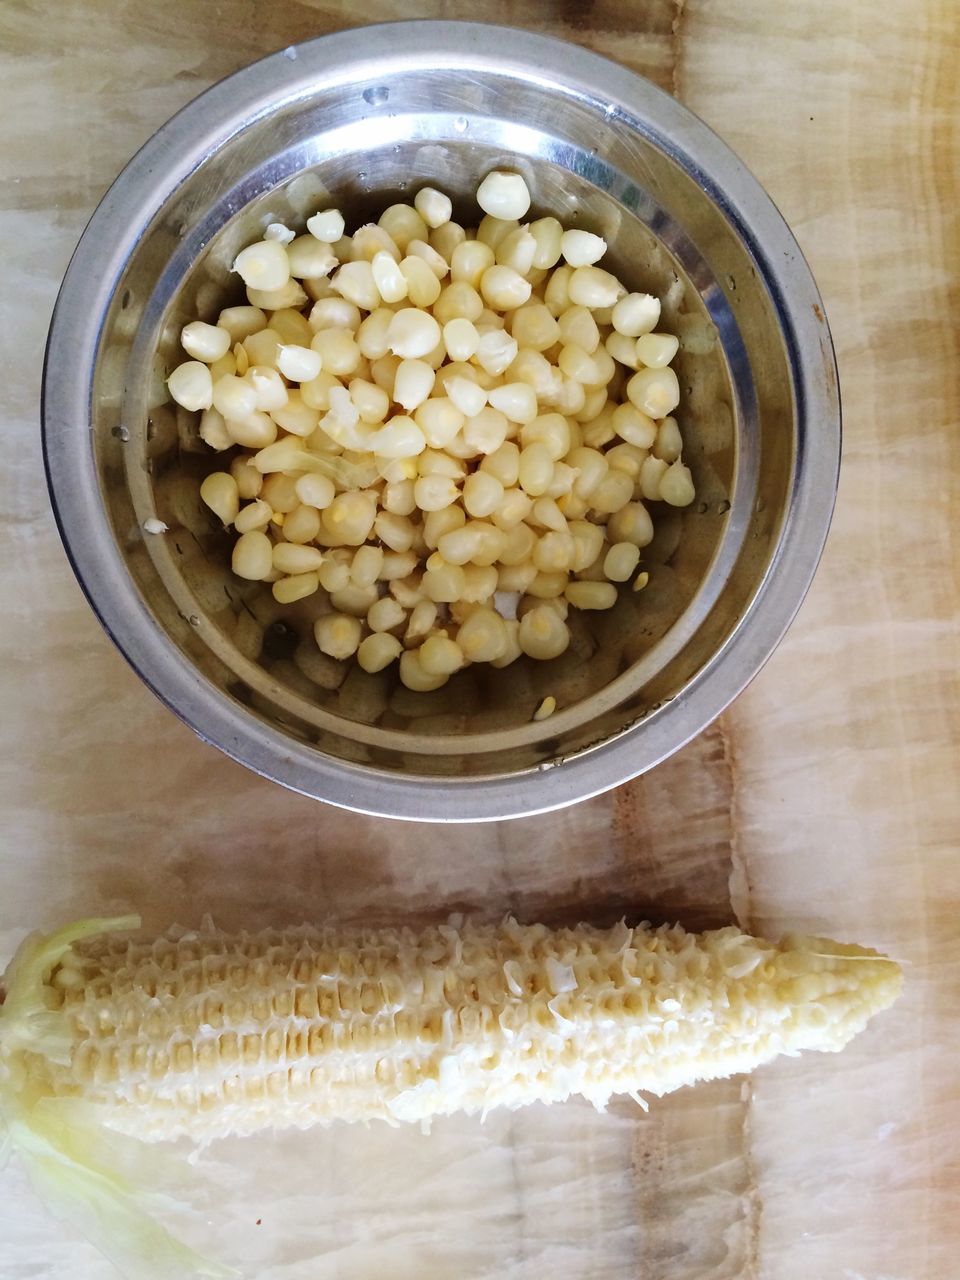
(205, 1035)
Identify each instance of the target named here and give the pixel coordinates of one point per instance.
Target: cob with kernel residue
(203, 1035)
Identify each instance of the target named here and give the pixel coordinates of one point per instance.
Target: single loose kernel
(546, 708)
(327, 226)
(412, 333)
(543, 634)
(220, 493)
(636, 314)
(593, 287)
(252, 556)
(433, 206)
(191, 385)
(299, 364)
(582, 248)
(377, 651)
(440, 656)
(591, 595)
(263, 265)
(337, 634)
(656, 350)
(621, 561)
(205, 342)
(503, 195)
(676, 485)
(296, 587)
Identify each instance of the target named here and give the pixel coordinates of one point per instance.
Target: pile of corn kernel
(449, 435)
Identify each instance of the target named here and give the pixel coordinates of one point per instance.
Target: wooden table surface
(825, 799)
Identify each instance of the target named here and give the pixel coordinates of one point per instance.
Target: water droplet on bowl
(121, 433)
(376, 95)
(461, 124)
(290, 53)
(723, 507)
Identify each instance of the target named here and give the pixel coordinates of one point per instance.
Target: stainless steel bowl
(362, 118)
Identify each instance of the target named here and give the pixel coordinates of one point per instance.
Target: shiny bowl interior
(360, 120)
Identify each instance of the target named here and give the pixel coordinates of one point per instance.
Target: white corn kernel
(623, 349)
(582, 248)
(636, 314)
(255, 515)
(514, 508)
(269, 387)
(551, 430)
(443, 583)
(656, 350)
(504, 289)
(327, 226)
(433, 206)
(369, 240)
(613, 492)
(669, 444)
(316, 393)
(262, 349)
(469, 261)
(440, 656)
(355, 600)
(396, 532)
(366, 565)
(676, 485)
(548, 233)
(252, 556)
(390, 280)
(400, 438)
(290, 294)
(486, 431)
(279, 231)
(291, 327)
(234, 397)
(412, 333)
(460, 338)
(503, 195)
(556, 296)
(593, 287)
(302, 525)
(248, 478)
(517, 401)
(496, 351)
(241, 322)
(355, 282)
(372, 402)
(467, 396)
(337, 634)
(420, 248)
(386, 614)
(376, 652)
(423, 287)
(554, 552)
(299, 364)
(437, 523)
(349, 518)
(517, 251)
(403, 223)
(482, 494)
(655, 392)
(413, 676)
(621, 561)
(295, 587)
(575, 363)
(338, 351)
(263, 265)
(534, 327)
(191, 385)
(548, 515)
(588, 540)
(482, 636)
(280, 491)
(220, 493)
(206, 342)
(503, 462)
(591, 595)
(446, 238)
(413, 384)
(334, 313)
(535, 469)
(291, 557)
(433, 493)
(439, 419)
(635, 426)
(631, 523)
(543, 634)
(309, 258)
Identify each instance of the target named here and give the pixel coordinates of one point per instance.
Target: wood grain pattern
(825, 799)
